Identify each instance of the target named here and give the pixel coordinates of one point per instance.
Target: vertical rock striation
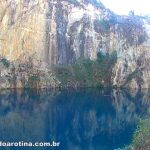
(56, 32)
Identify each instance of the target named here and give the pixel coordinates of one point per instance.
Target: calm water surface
(85, 119)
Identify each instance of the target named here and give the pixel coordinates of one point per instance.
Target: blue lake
(84, 119)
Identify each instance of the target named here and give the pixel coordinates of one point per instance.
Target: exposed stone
(54, 32)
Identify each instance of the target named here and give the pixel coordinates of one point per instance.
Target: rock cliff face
(55, 32)
(46, 33)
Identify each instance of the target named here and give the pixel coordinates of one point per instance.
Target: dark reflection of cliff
(80, 120)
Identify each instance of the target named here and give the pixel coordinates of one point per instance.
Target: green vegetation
(93, 2)
(97, 4)
(132, 75)
(113, 19)
(141, 139)
(33, 81)
(72, 1)
(136, 75)
(104, 24)
(133, 30)
(34, 78)
(75, 2)
(5, 62)
(86, 72)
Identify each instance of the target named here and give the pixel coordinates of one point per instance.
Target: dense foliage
(142, 136)
(86, 72)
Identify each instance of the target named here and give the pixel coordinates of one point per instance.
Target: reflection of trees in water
(84, 119)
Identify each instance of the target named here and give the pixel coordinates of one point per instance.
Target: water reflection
(85, 119)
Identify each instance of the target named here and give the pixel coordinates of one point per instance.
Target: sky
(122, 7)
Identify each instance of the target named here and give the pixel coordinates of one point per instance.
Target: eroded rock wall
(132, 67)
(53, 32)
